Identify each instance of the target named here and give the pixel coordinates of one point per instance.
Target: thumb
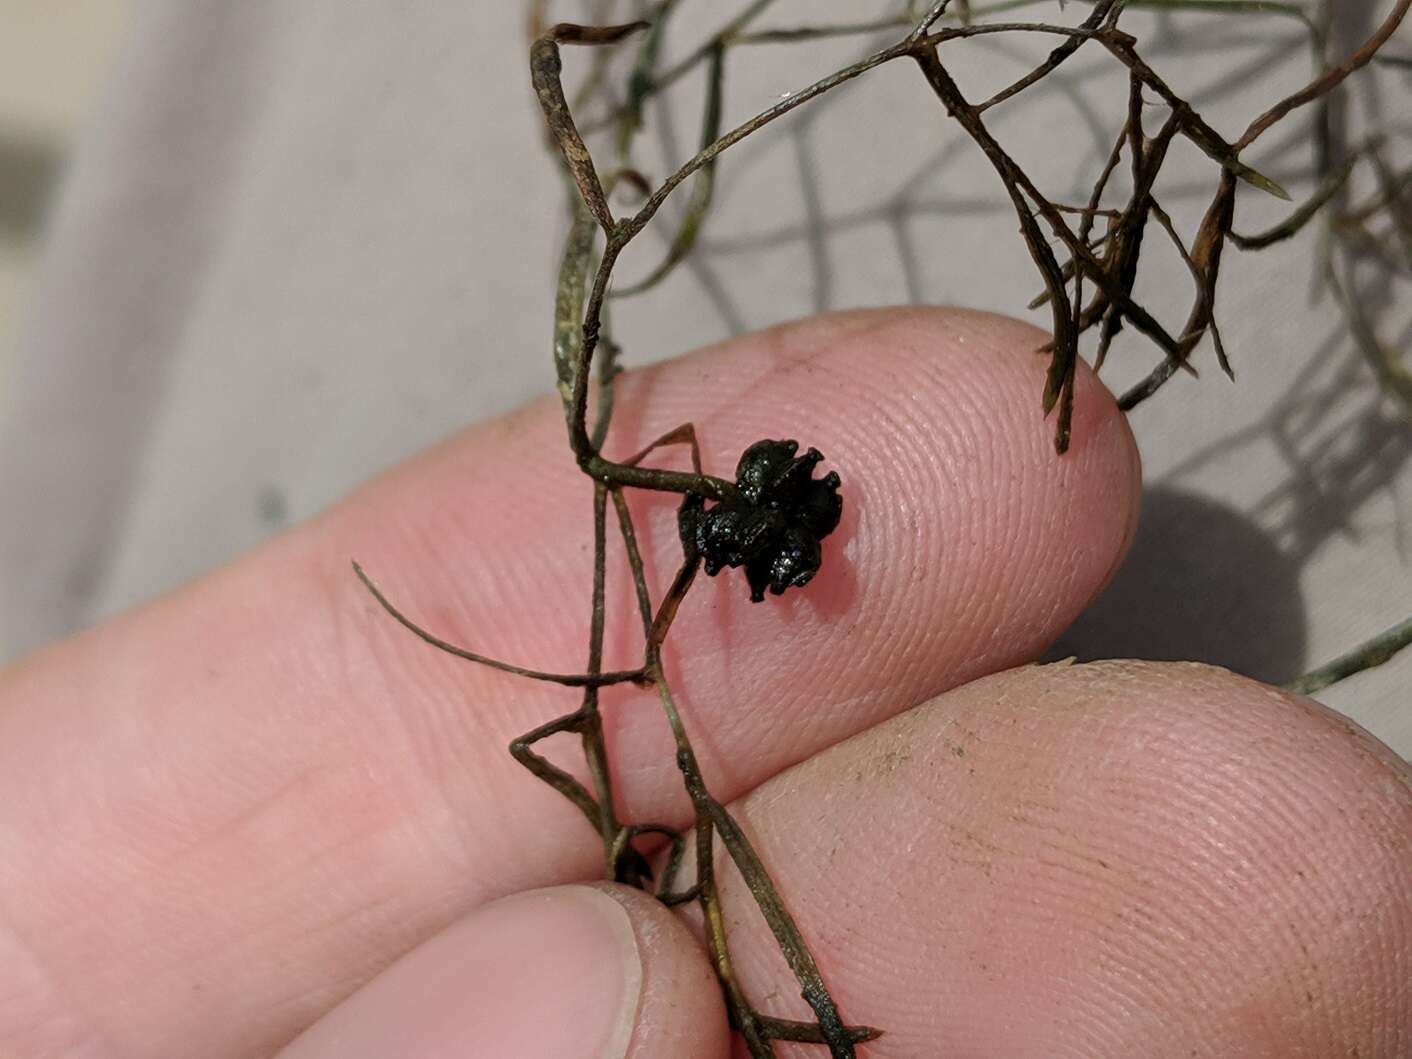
(573, 972)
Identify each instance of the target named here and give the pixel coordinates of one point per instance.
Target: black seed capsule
(774, 524)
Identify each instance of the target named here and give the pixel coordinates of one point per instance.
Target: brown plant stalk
(1089, 280)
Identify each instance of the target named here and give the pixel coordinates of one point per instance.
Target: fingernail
(550, 974)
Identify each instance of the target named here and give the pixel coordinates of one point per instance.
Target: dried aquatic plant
(770, 518)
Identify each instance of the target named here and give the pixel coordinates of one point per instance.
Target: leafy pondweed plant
(771, 518)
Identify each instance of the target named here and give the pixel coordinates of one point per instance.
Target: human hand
(223, 814)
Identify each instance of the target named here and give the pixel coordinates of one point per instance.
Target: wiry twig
(1107, 265)
(1321, 86)
(571, 680)
(1375, 652)
(1328, 188)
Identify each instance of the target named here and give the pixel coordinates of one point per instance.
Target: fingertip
(1271, 839)
(680, 1013)
(1113, 859)
(573, 972)
(967, 543)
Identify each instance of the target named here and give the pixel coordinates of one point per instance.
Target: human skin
(258, 810)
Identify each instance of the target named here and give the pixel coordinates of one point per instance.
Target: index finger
(287, 790)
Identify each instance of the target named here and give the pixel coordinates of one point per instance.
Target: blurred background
(52, 60)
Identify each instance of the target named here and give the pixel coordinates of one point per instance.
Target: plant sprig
(1089, 279)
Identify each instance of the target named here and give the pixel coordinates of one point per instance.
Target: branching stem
(1103, 265)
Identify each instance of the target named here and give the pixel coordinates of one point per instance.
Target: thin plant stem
(571, 680)
(1102, 267)
(1368, 655)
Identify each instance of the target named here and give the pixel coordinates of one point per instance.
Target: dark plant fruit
(774, 523)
